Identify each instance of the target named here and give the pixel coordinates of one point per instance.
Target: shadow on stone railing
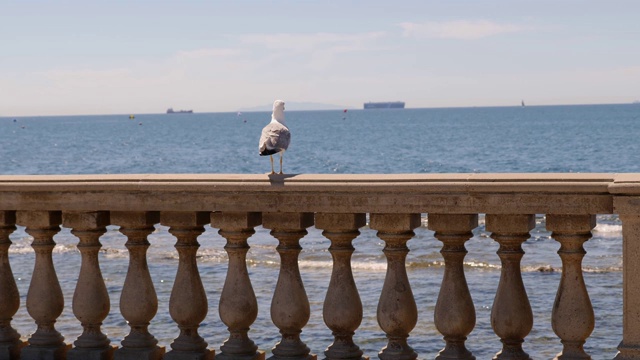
(287, 206)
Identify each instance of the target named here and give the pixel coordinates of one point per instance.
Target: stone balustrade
(288, 205)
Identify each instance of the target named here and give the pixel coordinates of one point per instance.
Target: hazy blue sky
(102, 57)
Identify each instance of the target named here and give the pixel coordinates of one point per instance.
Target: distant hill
(293, 106)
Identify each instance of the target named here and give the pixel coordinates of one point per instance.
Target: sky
(119, 57)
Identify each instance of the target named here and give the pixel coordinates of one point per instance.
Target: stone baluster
(629, 348)
(397, 311)
(511, 315)
(10, 343)
(44, 298)
(342, 309)
(572, 318)
(455, 314)
(90, 300)
(290, 309)
(138, 301)
(188, 303)
(238, 305)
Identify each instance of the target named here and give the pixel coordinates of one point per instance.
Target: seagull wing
(275, 138)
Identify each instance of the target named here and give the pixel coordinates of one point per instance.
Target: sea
(576, 138)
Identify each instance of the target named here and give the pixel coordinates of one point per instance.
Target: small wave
(441, 264)
(540, 268)
(315, 264)
(609, 229)
(65, 248)
(20, 250)
(481, 265)
(168, 256)
(369, 266)
(585, 269)
(601, 270)
(319, 264)
(58, 249)
(111, 253)
(270, 263)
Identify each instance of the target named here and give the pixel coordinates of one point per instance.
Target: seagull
(275, 136)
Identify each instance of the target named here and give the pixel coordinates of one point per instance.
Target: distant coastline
(384, 105)
(292, 106)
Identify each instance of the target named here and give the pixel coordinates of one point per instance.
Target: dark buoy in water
(14, 120)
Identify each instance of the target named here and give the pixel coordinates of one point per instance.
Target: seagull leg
(272, 170)
(281, 155)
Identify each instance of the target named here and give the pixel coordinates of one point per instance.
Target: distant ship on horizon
(384, 105)
(171, 111)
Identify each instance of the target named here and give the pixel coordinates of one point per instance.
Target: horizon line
(337, 109)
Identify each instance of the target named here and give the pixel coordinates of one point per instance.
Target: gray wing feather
(275, 137)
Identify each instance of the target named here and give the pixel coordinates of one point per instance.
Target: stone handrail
(288, 205)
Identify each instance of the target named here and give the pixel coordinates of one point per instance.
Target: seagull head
(278, 111)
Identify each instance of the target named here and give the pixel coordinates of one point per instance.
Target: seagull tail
(266, 152)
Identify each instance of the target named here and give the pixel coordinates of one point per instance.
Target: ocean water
(599, 138)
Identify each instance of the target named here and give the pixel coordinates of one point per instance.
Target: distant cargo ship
(384, 105)
(171, 111)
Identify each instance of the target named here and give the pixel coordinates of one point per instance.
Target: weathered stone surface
(45, 300)
(238, 304)
(290, 310)
(156, 353)
(394, 222)
(10, 343)
(206, 355)
(570, 223)
(454, 315)
(91, 354)
(403, 193)
(134, 202)
(7, 218)
(230, 220)
(571, 231)
(91, 302)
(288, 221)
(43, 353)
(510, 223)
(135, 219)
(184, 218)
(397, 312)
(81, 220)
(630, 345)
(138, 300)
(452, 223)
(511, 315)
(188, 304)
(340, 222)
(39, 219)
(342, 309)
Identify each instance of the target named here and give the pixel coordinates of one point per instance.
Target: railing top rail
(396, 193)
(11, 181)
